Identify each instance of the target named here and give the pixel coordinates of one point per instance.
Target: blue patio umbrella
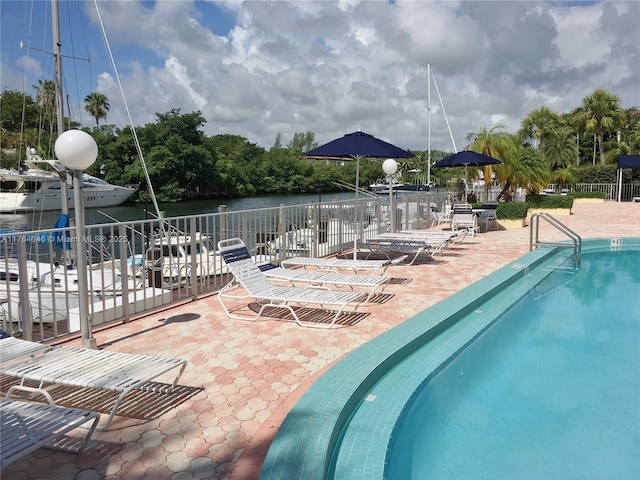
(464, 159)
(354, 146)
(357, 145)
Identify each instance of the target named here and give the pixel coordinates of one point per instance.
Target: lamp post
(390, 166)
(77, 150)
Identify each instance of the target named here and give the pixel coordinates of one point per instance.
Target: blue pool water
(532, 372)
(551, 390)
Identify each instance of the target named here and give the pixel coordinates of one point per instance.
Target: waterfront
(128, 212)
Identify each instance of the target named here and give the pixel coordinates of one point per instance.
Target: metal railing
(534, 235)
(138, 266)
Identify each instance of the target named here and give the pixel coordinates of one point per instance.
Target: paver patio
(242, 377)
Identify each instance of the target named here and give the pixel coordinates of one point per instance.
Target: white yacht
(37, 188)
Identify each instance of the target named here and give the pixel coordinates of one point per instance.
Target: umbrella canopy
(466, 158)
(357, 145)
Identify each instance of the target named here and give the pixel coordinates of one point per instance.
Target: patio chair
(247, 275)
(81, 367)
(337, 264)
(487, 218)
(464, 218)
(437, 217)
(26, 427)
(295, 276)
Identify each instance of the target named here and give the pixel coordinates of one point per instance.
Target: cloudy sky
(258, 68)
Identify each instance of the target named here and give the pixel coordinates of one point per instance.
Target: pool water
(551, 390)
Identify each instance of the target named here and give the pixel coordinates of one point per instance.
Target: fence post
(23, 278)
(223, 221)
(124, 273)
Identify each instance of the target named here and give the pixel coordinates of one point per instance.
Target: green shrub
(589, 195)
(512, 210)
(550, 201)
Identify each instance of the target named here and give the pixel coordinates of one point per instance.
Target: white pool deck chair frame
(26, 427)
(318, 277)
(333, 264)
(427, 235)
(408, 245)
(82, 367)
(464, 218)
(249, 277)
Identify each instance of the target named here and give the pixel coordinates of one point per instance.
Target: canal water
(46, 219)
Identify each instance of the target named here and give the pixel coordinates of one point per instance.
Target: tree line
(184, 163)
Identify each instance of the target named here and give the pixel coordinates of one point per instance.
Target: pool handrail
(534, 235)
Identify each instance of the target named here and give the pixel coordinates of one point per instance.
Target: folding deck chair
(26, 427)
(427, 235)
(404, 245)
(334, 264)
(81, 367)
(257, 285)
(296, 276)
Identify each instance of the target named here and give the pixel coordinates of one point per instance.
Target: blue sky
(260, 68)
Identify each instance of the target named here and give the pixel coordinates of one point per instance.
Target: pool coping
(305, 444)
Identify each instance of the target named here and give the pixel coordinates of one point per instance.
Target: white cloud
(332, 67)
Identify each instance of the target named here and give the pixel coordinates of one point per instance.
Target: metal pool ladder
(534, 235)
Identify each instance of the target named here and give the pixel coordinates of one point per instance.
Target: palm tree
(524, 167)
(97, 104)
(561, 148)
(46, 100)
(563, 176)
(539, 124)
(495, 143)
(601, 112)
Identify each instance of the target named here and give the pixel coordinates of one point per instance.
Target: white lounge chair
(26, 427)
(403, 244)
(464, 218)
(80, 367)
(13, 349)
(333, 264)
(320, 278)
(428, 235)
(258, 287)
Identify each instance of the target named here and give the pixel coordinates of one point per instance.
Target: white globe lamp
(76, 149)
(390, 167)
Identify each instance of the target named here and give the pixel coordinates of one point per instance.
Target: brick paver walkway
(242, 377)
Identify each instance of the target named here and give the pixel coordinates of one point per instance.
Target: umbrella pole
(465, 183)
(355, 210)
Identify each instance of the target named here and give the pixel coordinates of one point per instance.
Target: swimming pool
(551, 390)
(360, 409)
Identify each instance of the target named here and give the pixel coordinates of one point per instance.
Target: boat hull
(16, 202)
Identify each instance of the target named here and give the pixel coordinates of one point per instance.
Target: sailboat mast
(428, 124)
(57, 55)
